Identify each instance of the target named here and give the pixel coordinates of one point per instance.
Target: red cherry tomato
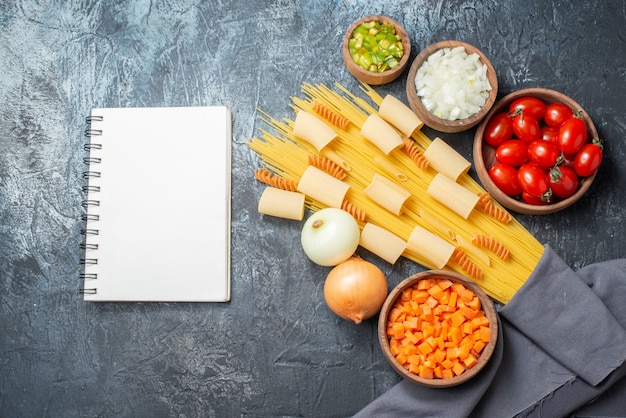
(588, 159)
(529, 105)
(572, 135)
(534, 200)
(556, 114)
(545, 154)
(534, 181)
(505, 177)
(526, 127)
(498, 129)
(563, 182)
(550, 134)
(512, 152)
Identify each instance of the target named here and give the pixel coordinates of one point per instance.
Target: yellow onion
(355, 289)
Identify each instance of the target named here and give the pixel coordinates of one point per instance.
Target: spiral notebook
(157, 205)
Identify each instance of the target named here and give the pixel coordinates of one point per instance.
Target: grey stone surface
(275, 349)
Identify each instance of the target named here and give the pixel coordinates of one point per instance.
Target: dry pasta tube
(323, 187)
(453, 195)
(387, 194)
(445, 159)
(381, 134)
(390, 168)
(282, 203)
(382, 242)
(313, 130)
(399, 115)
(429, 246)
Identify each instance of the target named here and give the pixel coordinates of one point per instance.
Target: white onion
(452, 84)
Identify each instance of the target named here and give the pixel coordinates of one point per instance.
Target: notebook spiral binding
(88, 203)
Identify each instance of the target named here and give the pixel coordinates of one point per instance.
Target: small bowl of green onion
(376, 49)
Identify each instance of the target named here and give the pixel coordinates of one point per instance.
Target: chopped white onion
(452, 84)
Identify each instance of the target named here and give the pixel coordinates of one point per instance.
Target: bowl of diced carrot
(438, 328)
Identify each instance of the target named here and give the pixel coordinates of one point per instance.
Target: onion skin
(355, 290)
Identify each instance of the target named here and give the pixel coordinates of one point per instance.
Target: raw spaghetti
(288, 157)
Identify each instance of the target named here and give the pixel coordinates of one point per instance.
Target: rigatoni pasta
(453, 195)
(381, 134)
(323, 187)
(313, 130)
(382, 242)
(399, 115)
(282, 203)
(387, 194)
(446, 160)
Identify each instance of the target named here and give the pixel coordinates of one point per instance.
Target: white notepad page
(163, 228)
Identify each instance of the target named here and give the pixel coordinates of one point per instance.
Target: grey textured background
(275, 349)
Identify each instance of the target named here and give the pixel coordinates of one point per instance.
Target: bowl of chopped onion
(376, 49)
(438, 328)
(451, 86)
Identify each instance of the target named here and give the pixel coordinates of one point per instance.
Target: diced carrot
(394, 346)
(398, 330)
(447, 364)
(411, 323)
(456, 319)
(469, 313)
(470, 361)
(426, 372)
(485, 334)
(474, 303)
(394, 313)
(401, 358)
(480, 321)
(467, 328)
(424, 284)
(437, 329)
(444, 283)
(455, 335)
(415, 306)
(466, 294)
(479, 345)
(425, 348)
(453, 298)
(413, 359)
(452, 353)
(436, 292)
(458, 368)
(427, 313)
(420, 296)
(464, 350)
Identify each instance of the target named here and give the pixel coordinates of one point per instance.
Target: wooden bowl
(370, 77)
(484, 154)
(437, 123)
(487, 306)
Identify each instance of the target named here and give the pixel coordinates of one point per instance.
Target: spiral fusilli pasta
(356, 212)
(330, 115)
(327, 165)
(493, 210)
(466, 264)
(492, 244)
(415, 153)
(270, 179)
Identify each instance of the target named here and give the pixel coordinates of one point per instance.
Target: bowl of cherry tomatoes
(537, 151)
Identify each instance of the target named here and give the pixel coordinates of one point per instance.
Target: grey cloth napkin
(561, 352)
